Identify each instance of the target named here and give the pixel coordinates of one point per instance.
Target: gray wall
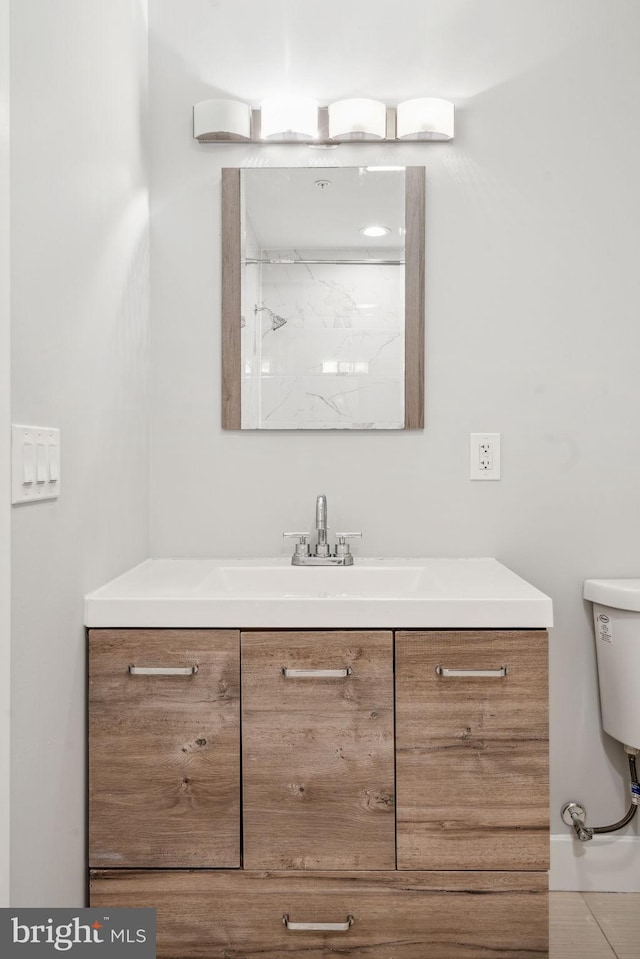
(5, 476)
(80, 356)
(532, 297)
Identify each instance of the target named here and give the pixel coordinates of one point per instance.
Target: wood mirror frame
(414, 298)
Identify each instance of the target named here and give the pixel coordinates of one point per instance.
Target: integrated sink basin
(374, 582)
(425, 593)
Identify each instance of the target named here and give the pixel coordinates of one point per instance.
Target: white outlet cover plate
(35, 456)
(477, 441)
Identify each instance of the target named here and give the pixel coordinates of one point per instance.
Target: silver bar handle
(342, 548)
(163, 670)
(496, 673)
(302, 546)
(316, 673)
(318, 926)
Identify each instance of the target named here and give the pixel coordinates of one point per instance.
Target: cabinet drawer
(472, 750)
(384, 915)
(318, 750)
(164, 748)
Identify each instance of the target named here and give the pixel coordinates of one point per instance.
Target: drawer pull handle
(316, 673)
(163, 670)
(318, 926)
(496, 673)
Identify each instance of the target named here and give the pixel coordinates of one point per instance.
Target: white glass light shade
(222, 120)
(357, 119)
(426, 118)
(289, 118)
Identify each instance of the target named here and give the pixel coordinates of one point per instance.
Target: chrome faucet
(322, 549)
(322, 555)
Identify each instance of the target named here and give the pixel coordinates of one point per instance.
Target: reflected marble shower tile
(336, 296)
(383, 352)
(298, 352)
(330, 351)
(338, 359)
(328, 402)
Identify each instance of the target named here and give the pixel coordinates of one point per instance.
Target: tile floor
(594, 925)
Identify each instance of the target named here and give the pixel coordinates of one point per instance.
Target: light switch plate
(35, 463)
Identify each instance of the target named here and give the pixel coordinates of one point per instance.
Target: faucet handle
(302, 547)
(342, 547)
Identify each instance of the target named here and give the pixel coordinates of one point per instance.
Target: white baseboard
(604, 864)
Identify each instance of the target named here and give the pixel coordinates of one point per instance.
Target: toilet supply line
(574, 813)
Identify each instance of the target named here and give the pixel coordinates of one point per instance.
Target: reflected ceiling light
(375, 230)
(384, 169)
(357, 119)
(426, 118)
(289, 118)
(222, 120)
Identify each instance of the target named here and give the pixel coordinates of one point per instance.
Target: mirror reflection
(322, 340)
(323, 298)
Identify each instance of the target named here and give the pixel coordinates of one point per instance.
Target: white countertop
(425, 593)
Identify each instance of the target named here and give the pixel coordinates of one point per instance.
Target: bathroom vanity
(293, 786)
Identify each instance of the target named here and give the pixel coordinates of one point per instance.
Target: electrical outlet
(484, 453)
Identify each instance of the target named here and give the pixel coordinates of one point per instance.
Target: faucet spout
(322, 555)
(321, 512)
(322, 548)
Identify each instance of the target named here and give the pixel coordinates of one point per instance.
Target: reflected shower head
(276, 320)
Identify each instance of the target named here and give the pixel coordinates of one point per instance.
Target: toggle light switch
(28, 464)
(41, 463)
(54, 466)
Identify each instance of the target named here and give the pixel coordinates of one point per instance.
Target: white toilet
(616, 617)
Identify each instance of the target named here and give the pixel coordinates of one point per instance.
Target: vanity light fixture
(299, 119)
(357, 119)
(289, 119)
(222, 120)
(426, 118)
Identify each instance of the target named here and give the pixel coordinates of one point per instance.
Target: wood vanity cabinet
(317, 750)
(381, 915)
(164, 748)
(472, 750)
(318, 871)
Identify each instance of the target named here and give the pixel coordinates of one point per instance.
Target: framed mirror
(323, 298)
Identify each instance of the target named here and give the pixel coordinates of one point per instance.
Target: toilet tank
(616, 618)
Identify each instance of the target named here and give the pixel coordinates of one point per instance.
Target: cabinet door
(380, 915)
(317, 712)
(472, 750)
(164, 748)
